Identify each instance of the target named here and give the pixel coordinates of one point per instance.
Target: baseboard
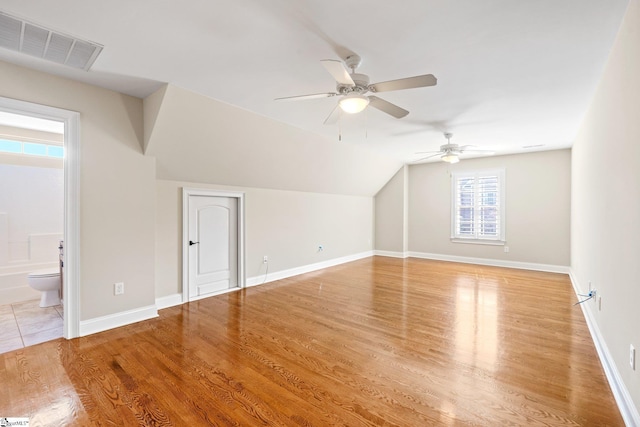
(169, 301)
(391, 254)
(103, 323)
(625, 403)
(18, 294)
(493, 262)
(279, 275)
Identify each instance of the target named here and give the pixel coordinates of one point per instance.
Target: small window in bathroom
(7, 146)
(35, 149)
(31, 148)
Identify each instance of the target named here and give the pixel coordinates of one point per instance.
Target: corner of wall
(151, 106)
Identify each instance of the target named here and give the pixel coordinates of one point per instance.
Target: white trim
(213, 294)
(116, 320)
(625, 403)
(71, 279)
(501, 173)
(391, 254)
(478, 241)
(168, 301)
(493, 262)
(186, 192)
(279, 275)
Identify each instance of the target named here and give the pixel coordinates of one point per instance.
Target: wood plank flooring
(376, 342)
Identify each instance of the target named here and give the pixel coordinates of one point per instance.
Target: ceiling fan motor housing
(361, 85)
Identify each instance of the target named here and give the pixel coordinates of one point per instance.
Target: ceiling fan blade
(428, 157)
(407, 83)
(334, 116)
(469, 149)
(303, 97)
(387, 107)
(338, 71)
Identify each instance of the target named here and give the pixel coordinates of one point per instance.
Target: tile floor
(25, 323)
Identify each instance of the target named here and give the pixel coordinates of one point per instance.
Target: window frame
(456, 237)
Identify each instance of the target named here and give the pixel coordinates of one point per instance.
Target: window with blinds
(478, 206)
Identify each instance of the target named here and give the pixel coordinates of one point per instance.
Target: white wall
(538, 195)
(605, 243)
(287, 226)
(117, 188)
(32, 198)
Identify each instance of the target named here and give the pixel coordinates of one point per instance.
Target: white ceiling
(511, 73)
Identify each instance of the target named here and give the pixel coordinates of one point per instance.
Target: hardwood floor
(376, 342)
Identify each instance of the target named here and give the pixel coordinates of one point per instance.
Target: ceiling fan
(450, 153)
(352, 87)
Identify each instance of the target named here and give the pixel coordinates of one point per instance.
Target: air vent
(35, 40)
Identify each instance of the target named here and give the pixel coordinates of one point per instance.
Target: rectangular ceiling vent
(35, 40)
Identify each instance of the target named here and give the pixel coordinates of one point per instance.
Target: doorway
(71, 228)
(213, 243)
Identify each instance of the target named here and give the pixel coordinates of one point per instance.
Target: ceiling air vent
(35, 40)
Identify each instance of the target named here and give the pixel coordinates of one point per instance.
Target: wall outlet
(118, 288)
(506, 249)
(632, 357)
(265, 259)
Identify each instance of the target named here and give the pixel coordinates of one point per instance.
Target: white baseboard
(620, 392)
(18, 294)
(279, 275)
(391, 254)
(169, 301)
(493, 262)
(103, 323)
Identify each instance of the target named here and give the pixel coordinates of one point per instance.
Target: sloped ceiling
(198, 139)
(513, 75)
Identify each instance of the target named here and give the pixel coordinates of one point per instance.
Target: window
(31, 148)
(478, 206)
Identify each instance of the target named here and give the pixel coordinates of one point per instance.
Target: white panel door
(213, 244)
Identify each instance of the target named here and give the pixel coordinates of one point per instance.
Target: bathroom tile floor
(25, 323)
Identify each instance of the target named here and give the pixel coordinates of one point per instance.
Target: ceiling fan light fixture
(354, 103)
(450, 158)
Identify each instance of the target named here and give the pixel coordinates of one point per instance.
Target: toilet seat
(47, 272)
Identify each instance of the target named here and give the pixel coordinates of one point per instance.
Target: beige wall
(390, 214)
(538, 187)
(605, 244)
(117, 189)
(287, 226)
(199, 139)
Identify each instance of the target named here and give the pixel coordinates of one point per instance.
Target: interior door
(213, 245)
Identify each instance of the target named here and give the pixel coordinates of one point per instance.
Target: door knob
(191, 243)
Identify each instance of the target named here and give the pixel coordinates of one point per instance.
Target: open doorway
(38, 145)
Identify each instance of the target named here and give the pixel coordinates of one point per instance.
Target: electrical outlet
(506, 249)
(632, 357)
(118, 288)
(265, 259)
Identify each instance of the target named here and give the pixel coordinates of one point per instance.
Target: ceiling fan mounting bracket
(353, 62)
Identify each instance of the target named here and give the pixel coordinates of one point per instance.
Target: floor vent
(35, 40)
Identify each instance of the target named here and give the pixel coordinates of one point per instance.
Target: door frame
(71, 277)
(239, 196)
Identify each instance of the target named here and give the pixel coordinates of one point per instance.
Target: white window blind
(477, 205)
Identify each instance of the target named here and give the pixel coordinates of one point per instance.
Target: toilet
(48, 282)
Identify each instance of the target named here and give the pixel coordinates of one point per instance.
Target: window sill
(479, 242)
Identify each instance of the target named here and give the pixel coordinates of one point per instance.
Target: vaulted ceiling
(513, 75)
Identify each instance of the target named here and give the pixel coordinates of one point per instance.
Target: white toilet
(48, 282)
